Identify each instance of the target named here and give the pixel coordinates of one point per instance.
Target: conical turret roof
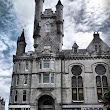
(22, 37)
(59, 3)
(75, 45)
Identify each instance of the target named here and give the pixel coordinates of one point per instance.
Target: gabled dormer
(97, 45)
(75, 48)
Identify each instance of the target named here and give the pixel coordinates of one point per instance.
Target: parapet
(48, 13)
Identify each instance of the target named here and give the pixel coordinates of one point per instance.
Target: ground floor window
(72, 109)
(83, 108)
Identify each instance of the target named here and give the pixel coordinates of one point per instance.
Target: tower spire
(21, 44)
(37, 20)
(59, 3)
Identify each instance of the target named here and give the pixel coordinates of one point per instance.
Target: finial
(75, 45)
(59, 3)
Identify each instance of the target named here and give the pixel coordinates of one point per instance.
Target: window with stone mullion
(102, 85)
(80, 88)
(77, 88)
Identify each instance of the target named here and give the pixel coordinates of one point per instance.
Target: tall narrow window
(12, 81)
(17, 79)
(14, 67)
(75, 50)
(52, 78)
(40, 64)
(74, 88)
(102, 85)
(19, 66)
(101, 80)
(24, 95)
(16, 95)
(99, 48)
(46, 78)
(26, 66)
(52, 64)
(40, 78)
(98, 81)
(25, 79)
(46, 64)
(95, 47)
(77, 88)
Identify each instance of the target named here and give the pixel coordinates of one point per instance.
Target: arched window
(77, 88)
(101, 80)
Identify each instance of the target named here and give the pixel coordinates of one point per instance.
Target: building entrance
(46, 102)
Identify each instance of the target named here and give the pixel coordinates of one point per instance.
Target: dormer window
(75, 48)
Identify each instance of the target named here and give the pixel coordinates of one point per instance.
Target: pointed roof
(97, 41)
(97, 38)
(22, 37)
(75, 45)
(59, 3)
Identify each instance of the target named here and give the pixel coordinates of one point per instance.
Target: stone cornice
(57, 57)
(83, 57)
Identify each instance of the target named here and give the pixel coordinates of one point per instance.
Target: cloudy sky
(81, 19)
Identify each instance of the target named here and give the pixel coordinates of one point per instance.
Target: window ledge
(25, 84)
(26, 70)
(46, 70)
(80, 101)
(44, 85)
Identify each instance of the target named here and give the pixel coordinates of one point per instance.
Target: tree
(106, 99)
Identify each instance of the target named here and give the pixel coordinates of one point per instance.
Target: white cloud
(82, 17)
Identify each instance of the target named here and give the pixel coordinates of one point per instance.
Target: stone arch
(46, 102)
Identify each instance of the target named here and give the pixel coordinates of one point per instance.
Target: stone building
(2, 104)
(50, 78)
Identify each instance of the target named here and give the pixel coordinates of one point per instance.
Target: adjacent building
(2, 104)
(50, 78)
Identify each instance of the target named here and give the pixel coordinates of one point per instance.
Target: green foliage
(106, 98)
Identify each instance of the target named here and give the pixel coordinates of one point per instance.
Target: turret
(59, 22)
(37, 20)
(75, 47)
(38, 10)
(21, 44)
(59, 12)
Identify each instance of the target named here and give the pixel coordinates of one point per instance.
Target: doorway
(46, 102)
